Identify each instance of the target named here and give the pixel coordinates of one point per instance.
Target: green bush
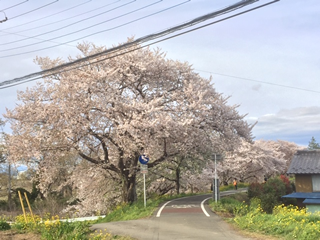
(231, 187)
(255, 190)
(3, 204)
(16, 198)
(270, 193)
(230, 204)
(4, 225)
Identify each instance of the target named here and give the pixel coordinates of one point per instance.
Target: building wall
(303, 183)
(313, 208)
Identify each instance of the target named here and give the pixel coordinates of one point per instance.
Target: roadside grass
(231, 187)
(285, 222)
(52, 228)
(137, 210)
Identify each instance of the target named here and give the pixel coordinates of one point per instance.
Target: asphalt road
(186, 218)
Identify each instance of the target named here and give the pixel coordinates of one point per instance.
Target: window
(316, 183)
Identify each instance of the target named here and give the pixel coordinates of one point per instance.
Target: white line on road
(203, 209)
(160, 210)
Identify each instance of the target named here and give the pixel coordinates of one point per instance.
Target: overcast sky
(267, 60)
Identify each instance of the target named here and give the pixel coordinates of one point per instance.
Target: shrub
(229, 204)
(232, 204)
(255, 190)
(16, 199)
(231, 187)
(3, 204)
(287, 183)
(4, 225)
(270, 193)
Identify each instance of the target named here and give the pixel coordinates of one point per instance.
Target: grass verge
(52, 228)
(285, 222)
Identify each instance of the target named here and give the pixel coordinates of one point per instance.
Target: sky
(267, 60)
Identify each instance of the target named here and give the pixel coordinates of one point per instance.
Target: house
(305, 165)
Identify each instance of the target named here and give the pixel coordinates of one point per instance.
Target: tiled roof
(305, 162)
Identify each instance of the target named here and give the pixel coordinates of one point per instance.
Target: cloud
(296, 125)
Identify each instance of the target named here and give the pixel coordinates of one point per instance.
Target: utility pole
(215, 188)
(215, 179)
(9, 188)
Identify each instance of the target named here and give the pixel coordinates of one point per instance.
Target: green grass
(137, 210)
(53, 228)
(286, 222)
(231, 187)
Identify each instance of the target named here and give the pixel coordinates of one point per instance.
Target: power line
(44, 40)
(14, 5)
(56, 21)
(5, 56)
(63, 67)
(258, 81)
(38, 19)
(51, 31)
(141, 40)
(33, 10)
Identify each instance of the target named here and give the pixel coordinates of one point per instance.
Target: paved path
(179, 219)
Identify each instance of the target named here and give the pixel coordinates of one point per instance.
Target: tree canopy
(313, 144)
(112, 111)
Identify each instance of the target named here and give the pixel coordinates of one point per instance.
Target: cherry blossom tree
(112, 111)
(252, 161)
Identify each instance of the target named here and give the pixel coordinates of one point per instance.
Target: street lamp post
(217, 157)
(215, 179)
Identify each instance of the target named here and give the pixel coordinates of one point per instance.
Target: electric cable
(45, 25)
(259, 81)
(67, 44)
(138, 41)
(52, 71)
(38, 19)
(54, 30)
(5, 56)
(14, 5)
(33, 10)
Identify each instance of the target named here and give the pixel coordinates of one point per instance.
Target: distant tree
(250, 162)
(313, 144)
(179, 171)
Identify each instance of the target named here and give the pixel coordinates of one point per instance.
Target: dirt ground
(13, 235)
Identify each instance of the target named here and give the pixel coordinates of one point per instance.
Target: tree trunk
(129, 194)
(177, 180)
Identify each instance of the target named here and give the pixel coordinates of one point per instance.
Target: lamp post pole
(215, 179)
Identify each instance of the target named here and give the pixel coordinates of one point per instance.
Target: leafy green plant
(231, 204)
(270, 193)
(16, 198)
(255, 190)
(231, 187)
(288, 222)
(4, 225)
(57, 229)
